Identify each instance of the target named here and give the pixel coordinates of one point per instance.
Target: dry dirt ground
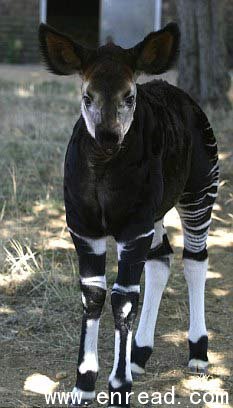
(40, 309)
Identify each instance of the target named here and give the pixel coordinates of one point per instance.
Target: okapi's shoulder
(185, 112)
(167, 107)
(170, 102)
(163, 94)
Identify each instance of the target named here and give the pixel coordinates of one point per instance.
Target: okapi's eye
(87, 100)
(129, 100)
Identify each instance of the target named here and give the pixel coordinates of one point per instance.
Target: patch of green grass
(33, 139)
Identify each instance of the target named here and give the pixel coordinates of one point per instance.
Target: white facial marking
(92, 113)
(90, 361)
(98, 246)
(89, 123)
(127, 124)
(195, 275)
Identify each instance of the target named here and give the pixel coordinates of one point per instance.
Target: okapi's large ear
(60, 53)
(158, 51)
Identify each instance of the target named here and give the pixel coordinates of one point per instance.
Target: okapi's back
(183, 109)
(189, 147)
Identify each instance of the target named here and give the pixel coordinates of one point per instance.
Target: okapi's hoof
(139, 358)
(137, 371)
(198, 367)
(80, 398)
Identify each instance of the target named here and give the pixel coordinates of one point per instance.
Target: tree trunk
(202, 67)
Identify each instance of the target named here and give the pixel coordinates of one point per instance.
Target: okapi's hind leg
(157, 271)
(195, 211)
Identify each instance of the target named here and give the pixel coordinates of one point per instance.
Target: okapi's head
(109, 74)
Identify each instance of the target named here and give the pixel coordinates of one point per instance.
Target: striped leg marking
(195, 212)
(157, 271)
(91, 255)
(125, 296)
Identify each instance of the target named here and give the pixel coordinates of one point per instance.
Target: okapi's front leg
(125, 295)
(92, 254)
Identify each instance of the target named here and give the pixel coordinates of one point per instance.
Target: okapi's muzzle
(108, 140)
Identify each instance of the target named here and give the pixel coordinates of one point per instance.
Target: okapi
(136, 151)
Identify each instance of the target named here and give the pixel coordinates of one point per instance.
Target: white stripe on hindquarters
(195, 243)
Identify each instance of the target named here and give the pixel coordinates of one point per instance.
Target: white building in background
(128, 21)
(90, 22)
(125, 21)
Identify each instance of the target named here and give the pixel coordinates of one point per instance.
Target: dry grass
(40, 311)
